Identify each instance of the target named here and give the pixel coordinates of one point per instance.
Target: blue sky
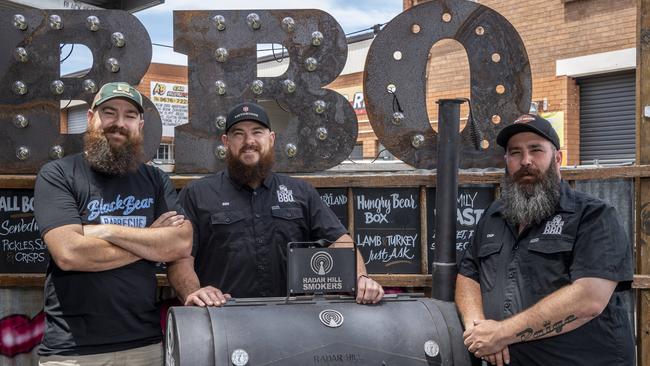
(353, 15)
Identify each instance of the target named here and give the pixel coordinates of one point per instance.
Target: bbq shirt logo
(129, 204)
(284, 194)
(554, 227)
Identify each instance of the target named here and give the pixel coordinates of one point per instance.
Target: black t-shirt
(108, 311)
(583, 238)
(241, 234)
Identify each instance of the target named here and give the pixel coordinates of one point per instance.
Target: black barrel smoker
(400, 331)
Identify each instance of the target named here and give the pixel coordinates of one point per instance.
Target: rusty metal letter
(32, 88)
(499, 75)
(222, 59)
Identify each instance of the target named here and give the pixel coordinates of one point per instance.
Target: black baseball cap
(247, 112)
(529, 123)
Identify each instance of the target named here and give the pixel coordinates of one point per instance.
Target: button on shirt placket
(510, 289)
(261, 251)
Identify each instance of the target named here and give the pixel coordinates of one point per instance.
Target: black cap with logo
(247, 112)
(529, 123)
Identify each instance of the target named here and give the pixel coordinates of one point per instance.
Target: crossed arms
(93, 248)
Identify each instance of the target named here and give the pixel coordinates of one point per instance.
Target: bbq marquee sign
(221, 48)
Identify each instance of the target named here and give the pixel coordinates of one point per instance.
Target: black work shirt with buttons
(241, 234)
(583, 238)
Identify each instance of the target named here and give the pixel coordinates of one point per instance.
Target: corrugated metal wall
(77, 119)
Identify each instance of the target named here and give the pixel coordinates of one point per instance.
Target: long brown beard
(530, 203)
(112, 160)
(250, 174)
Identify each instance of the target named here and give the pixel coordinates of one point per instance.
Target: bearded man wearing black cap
(245, 215)
(544, 279)
(107, 219)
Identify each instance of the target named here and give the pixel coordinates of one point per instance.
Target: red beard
(113, 160)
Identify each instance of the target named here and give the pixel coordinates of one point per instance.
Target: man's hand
(169, 218)
(368, 290)
(485, 338)
(206, 296)
(500, 358)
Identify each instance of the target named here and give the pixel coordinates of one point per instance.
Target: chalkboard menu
(387, 228)
(472, 202)
(21, 248)
(337, 200)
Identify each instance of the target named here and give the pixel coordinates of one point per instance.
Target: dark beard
(250, 174)
(524, 203)
(110, 160)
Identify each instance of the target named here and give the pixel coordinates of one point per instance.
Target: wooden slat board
(413, 178)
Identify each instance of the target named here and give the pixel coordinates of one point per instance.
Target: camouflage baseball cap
(118, 90)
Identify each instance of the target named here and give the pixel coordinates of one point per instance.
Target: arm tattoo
(529, 333)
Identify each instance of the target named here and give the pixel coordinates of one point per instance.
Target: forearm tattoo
(556, 327)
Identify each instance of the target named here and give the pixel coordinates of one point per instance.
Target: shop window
(165, 154)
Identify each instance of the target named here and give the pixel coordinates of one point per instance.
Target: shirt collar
(266, 183)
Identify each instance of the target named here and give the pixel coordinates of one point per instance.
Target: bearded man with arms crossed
(107, 218)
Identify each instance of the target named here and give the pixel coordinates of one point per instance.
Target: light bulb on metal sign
(220, 87)
(20, 121)
(118, 39)
(311, 64)
(20, 88)
(56, 152)
(56, 22)
(92, 23)
(291, 150)
(22, 153)
(219, 21)
(288, 24)
(20, 54)
(417, 141)
(316, 38)
(89, 86)
(113, 65)
(20, 22)
(57, 87)
(253, 21)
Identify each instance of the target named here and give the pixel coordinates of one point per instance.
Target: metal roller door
(77, 119)
(607, 118)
